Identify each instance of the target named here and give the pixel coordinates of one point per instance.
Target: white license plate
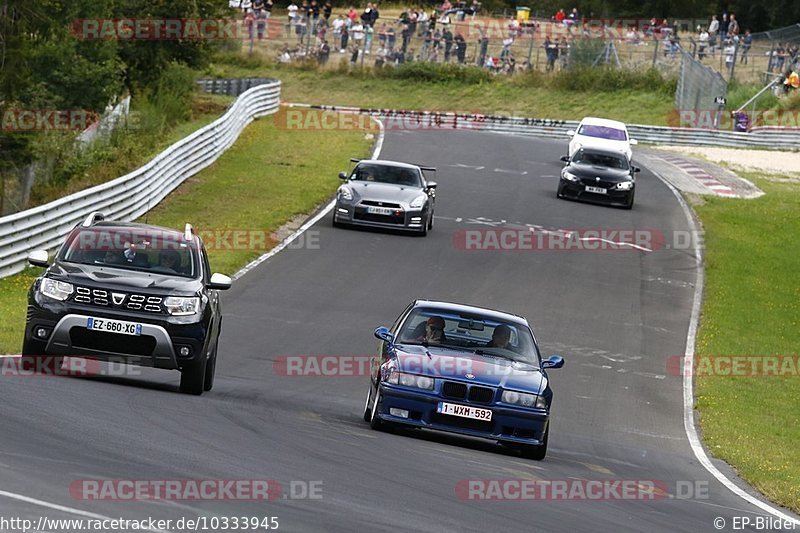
(114, 326)
(596, 190)
(371, 209)
(465, 411)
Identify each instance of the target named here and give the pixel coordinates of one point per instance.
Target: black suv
(130, 293)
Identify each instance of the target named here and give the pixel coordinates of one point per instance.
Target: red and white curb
(703, 177)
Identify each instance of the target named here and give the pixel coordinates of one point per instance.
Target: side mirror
(220, 282)
(383, 334)
(342, 175)
(571, 133)
(39, 258)
(565, 158)
(634, 142)
(637, 169)
(432, 184)
(554, 361)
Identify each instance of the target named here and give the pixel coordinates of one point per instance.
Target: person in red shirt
(560, 16)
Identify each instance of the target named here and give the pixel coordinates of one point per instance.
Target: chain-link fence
(700, 96)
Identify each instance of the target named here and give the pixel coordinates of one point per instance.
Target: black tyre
(430, 222)
(211, 367)
(629, 205)
(193, 378)
(367, 409)
(374, 421)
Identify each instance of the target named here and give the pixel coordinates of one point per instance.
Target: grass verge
(265, 179)
(524, 95)
(752, 307)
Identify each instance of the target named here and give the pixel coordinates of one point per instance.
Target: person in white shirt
(292, 11)
(357, 33)
(713, 30)
(702, 44)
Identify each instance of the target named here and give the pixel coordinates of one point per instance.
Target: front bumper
(354, 214)
(508, 424)
(577, 191)
(157, 346)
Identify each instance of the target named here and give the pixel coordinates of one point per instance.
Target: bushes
(433, 72)
(601, 79)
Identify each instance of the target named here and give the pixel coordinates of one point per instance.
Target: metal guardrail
(766, 137)
(131, 196)
(231, 87)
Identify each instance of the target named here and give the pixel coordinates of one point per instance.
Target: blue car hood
(487, 370)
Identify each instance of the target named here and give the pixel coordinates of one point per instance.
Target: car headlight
(524, 399)
(410, 380)
(57, 290)
(180, 306)
(345, 194)
(569, 176)
(418, 202)
(625, 186)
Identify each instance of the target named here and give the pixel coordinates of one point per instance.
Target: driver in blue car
(434, 331)
(501, 337)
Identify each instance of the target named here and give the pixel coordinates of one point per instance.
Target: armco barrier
(132, 195)
(761, 137)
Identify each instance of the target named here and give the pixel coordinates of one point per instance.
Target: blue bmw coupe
(463, 369)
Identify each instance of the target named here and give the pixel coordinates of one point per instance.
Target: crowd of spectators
(430, 35)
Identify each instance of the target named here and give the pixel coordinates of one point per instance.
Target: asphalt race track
(616, 316)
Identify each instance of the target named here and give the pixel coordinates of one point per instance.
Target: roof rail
(188, 232)
(91, 219)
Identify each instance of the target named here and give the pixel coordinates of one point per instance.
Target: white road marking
(62, 508)
(607, 241)
(473, 167)
(505, 171)
(688, 390)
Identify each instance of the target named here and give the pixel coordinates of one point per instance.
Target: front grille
(380, 204)
(602, 183)
(104, 298)
(481, 395)
(453, 390)
(384, 219)
(111, 342)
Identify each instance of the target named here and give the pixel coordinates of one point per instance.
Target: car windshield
(584, 157)
(603, 132)
(469, 332)
(138, 249)
(386, 174)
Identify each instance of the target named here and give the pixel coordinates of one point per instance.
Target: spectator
(369, 33)
(446, 6)
(713, 30)
(551, 51)
(324, 53)
(337, 25)
(391, 38)
(560, 16)
(327, 9)
(357, 34)
(723, 29)
(380, 59)
(353, 55)
(292, 12)
(702, 44)
(447, 36)
(730, 51)
(261, 22)
(563, 52)
(352, 14)
(461, 48)
(733, 29)
(345, 37)
(747, 42)
(249, 23)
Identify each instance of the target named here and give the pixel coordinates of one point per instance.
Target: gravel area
(758, 160)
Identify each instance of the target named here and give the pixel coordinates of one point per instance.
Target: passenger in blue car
(501, 337)
(434, 331)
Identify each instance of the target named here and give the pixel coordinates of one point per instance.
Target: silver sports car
(386, 194)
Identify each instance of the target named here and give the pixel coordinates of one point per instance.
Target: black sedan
(598, 175)
(386, 194)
